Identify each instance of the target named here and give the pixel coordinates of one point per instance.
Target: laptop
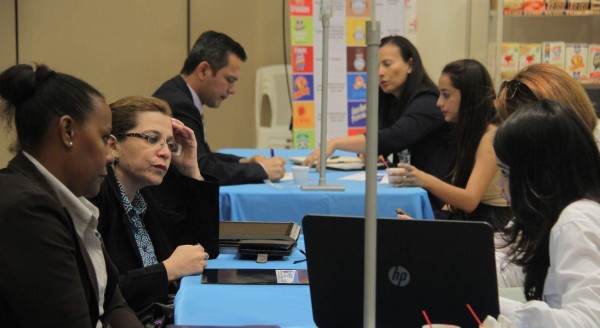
(436, 266)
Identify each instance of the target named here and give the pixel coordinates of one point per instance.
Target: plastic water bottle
(404, 156)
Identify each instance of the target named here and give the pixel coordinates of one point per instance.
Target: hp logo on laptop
(399, 276)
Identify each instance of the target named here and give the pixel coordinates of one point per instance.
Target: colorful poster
(302, 30)
(304, 115)
(302, 59)
(357, 86)
(303, 87)
(356, 31)
(357, 114)
(301, 8)
(357, 59)
(346, 63)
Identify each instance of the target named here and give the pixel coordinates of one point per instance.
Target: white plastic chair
(273, 110)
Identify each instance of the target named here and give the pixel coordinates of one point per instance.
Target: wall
(131, 47)
(120, 47)
(259, 26)
(442, 32)
(7, 58)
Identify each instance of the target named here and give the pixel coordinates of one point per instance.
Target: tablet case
(275, 239)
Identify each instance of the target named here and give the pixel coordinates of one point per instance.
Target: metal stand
(370, 257)
(326, 12)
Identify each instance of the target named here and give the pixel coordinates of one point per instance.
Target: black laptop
(436, 266)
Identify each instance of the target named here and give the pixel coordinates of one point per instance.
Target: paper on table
(283, 183)
(346, 166)
(287, 177)
(361, 176)
(330, 160)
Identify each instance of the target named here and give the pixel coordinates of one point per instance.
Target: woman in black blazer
(156, 235)
(54, 271)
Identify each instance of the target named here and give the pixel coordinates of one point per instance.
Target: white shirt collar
(195, 97)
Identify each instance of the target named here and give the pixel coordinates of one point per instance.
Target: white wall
(442, 32)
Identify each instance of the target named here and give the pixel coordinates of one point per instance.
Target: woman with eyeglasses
(467, 101)
(551, 174)
(54, 271)
(154, 239)
(545, 81)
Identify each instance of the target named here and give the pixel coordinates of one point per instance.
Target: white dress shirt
(198, 105)
(572, 287)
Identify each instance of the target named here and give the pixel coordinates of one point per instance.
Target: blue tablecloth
(285, 202)
(216, 304)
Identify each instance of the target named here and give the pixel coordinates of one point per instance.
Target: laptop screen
(436, 266)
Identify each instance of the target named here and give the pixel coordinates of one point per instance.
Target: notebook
(436, 266)
(339, 163)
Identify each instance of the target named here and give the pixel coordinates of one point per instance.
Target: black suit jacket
(421, 128)
(46, 276)
(224, 167)
(180, 211)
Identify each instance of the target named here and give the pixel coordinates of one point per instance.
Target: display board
(347, 87)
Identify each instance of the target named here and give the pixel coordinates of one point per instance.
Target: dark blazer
(46, 276)
(224, 167)
(423, 131)
(180, 211)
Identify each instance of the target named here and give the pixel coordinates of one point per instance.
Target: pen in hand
(382, 160)
(272, 152)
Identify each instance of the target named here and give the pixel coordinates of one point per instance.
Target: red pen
(382, 160)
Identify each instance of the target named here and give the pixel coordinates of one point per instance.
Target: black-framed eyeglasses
(513, 86)
(153, 139)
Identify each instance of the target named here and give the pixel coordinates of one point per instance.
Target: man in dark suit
(208, 77)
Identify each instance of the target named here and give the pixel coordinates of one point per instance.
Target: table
(214, 304)
(285, 202)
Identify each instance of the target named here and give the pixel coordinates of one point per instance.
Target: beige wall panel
(7, 34)
(7, 59)
(258, 27)
(440, 33)
(120, 47)
(444, 28)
